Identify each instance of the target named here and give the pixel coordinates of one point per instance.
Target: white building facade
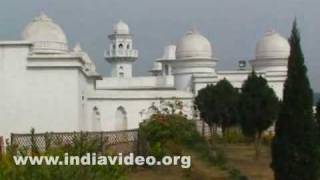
(49, 87)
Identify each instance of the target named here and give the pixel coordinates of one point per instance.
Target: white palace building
(47, 86)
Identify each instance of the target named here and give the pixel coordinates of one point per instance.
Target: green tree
(318, 114)
(203, 102)
(218, 104)
(295, 153)
(258, 108)
(225, 104)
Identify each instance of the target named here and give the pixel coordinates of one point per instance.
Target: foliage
(164, 132)
(318, 114)
(79, 146)
(218, 104)
(258, 107)
(295, 153)
(203, 101)
(234, 135)
(173, 106)
(170, 132)
(236, 175)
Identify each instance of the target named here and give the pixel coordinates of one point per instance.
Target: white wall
(135, 82)
(45, 99)
(136, 107)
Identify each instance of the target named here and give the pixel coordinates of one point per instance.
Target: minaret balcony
(131, 53)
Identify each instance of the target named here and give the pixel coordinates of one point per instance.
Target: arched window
(121, 74)
(121, 119)
(128, 46)
(96, 119)
(120, 45)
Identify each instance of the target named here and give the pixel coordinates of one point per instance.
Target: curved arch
(96, 119)
(121, 121)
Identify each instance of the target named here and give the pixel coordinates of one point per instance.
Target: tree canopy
(258, 105)
(258, 108)
(218, 104)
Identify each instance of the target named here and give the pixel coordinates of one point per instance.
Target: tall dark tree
(258, 107)
(295, 153)
(318, 115)
(218, 104)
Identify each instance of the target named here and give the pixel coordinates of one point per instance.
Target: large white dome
(46, 36)
(121, 28)
(193, 45)
(272, 46)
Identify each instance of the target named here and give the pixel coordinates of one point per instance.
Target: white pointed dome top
(193, 45)
(121, 28)
(47, 36)
(272, 46)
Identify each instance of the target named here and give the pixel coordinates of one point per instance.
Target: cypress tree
(294, 149)
(318, 115)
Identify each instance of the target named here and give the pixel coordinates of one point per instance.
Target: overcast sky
(232, 26)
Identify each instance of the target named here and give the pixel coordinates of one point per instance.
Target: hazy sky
(232, 26)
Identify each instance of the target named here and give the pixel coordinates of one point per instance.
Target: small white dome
(46, 36)
(272, 46)
(121, 28)
(193, 45)
(157, 66)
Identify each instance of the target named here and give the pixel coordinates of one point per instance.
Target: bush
(168, 134)
(234, 135)
(79, 146)
(231, 136)
(165, 133)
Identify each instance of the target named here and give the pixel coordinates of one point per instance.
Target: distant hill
(316, 97)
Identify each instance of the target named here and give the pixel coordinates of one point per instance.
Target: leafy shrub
(165, 133)
(233, 135)
(168, 134)
(79, 146)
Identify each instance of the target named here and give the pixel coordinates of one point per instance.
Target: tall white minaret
(121, 54)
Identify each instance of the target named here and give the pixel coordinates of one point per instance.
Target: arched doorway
(96, 119)
(121, 119)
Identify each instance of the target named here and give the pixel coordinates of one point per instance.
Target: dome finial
(194, 29)
(77, 48)
(270, 31)
(42, 17)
